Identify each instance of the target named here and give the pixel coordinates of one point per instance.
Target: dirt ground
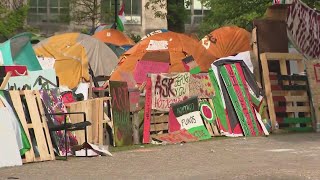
(285, 157)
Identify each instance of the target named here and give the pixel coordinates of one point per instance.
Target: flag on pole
(121, 19)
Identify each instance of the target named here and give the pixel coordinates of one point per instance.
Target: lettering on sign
(304, 27)
(201, 86)
(167, 90)
(121, 113)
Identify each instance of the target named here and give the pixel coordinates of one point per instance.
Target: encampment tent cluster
(72, 94)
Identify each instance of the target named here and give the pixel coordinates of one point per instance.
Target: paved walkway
(287, 157)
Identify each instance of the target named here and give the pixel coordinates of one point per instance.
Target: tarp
(73, 53)
(167, 47)
(18, 51)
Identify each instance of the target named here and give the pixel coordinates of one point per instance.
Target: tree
(232, 12)
(85, 10)
(13, 14)
(176, 14)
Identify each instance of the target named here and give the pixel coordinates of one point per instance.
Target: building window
(197, 12)
(132, 11)
(58, 11)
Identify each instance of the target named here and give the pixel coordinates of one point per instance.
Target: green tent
(18, 51)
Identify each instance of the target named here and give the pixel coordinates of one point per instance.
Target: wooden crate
(94, 109)
(159, 122)
(287, 95)
(37, 122)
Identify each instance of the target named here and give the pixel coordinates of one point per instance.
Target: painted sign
(52, 101)
(167, 89)
(122, 125)
(188, 116)
(201, 86)
(33, 80)
(303, 28)
(176, 137)
(157, 45)
(143, 68)
(147, 112)
(207, 112)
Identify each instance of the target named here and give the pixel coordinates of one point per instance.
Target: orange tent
(114, 37)
(168, 47)
(226, 41)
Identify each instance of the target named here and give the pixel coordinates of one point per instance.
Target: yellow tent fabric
(73, 53)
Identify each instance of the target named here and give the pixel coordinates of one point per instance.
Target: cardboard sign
(188, 116)
(167, 90)
(207, 112)
(176, 137)
(201, 86)
(303, 27)
(33, 81)
(122, 125)
(143, 68)
(157, 45)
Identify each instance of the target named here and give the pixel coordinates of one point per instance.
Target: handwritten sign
(122, 125)
(143, 68)
(157, 45)
(188, 116)
(201, 86)
(303, 28)
(176, 137)
(167, 90)
(32, 81)
(207, 112)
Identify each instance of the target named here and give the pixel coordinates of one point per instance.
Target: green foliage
(175, 14)
(12, 20)
(232, 12)
(135, 38)
(312, 3)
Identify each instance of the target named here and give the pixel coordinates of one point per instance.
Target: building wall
(38, 15)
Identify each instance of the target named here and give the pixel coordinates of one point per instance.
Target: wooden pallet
(287, 95)
(159, 123)
(94, 109)
(37, 123)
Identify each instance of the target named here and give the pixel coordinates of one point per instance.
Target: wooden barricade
(287, 95)
(159, 122)
(95, 113)
(30, 102)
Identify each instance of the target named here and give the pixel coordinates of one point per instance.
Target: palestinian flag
(121, 19)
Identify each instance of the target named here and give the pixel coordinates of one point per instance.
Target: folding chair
(57, 116)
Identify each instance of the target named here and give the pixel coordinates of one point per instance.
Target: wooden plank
(297, 120)
(45, 125)
(266, 80)
(16, 100)
(160, 119)
(291, 98)
(282, 56)
(38, 128)
(5, 81)
(292, 109)
(159, 127)
(299, 129)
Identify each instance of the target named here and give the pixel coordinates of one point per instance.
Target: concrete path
(287, 157)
